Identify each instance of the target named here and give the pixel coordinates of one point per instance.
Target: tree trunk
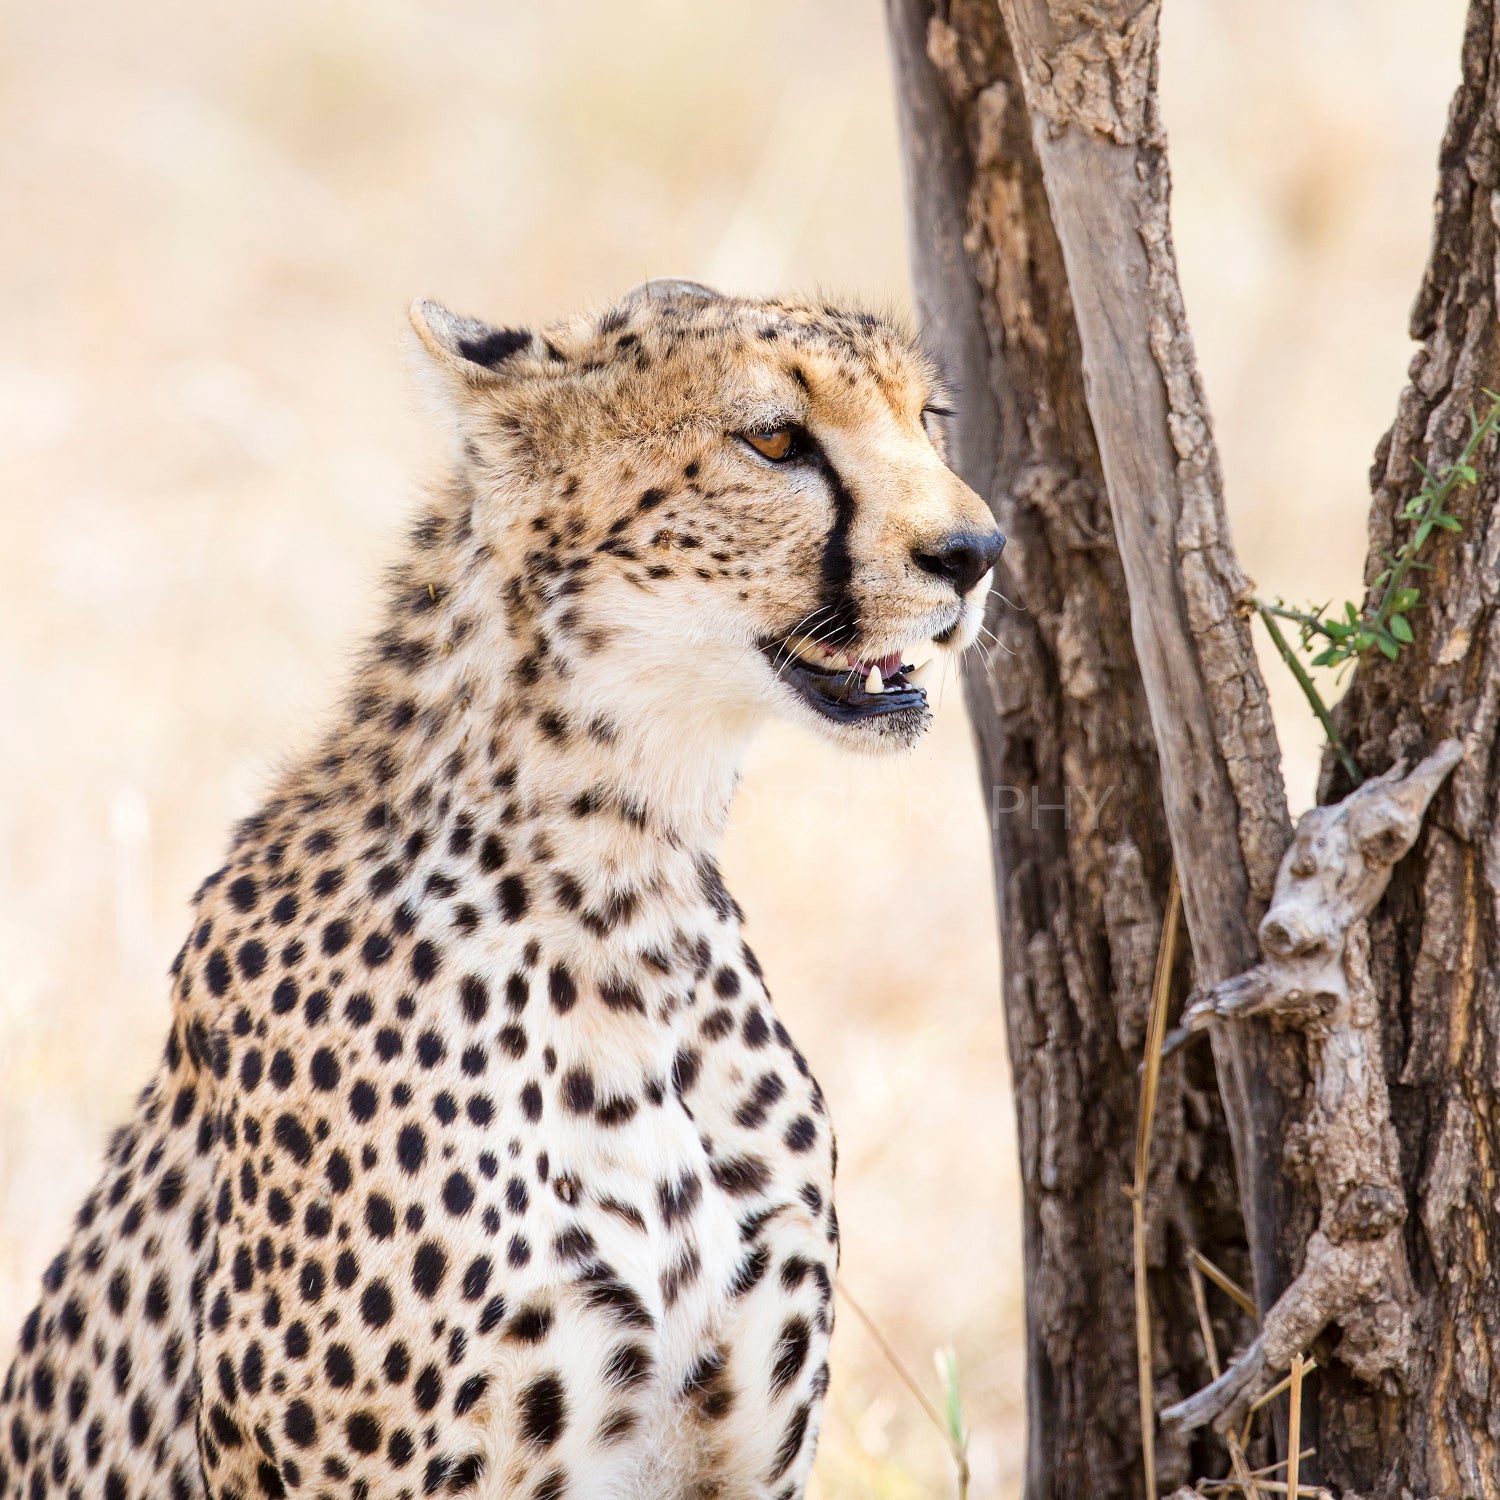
(1436, 940)
(1071, 779)
(1037, 187)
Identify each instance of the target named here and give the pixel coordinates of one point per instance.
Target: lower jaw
(896, 708)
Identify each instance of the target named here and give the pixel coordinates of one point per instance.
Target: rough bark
(1071, 777)
(1090, 81)
(1436, 939)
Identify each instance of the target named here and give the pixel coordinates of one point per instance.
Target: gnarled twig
(1316, 975)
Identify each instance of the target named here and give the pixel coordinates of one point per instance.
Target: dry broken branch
(1316, 977)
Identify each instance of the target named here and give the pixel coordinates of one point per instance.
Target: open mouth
(848, 689)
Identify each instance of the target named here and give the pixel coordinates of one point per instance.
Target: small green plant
(1347, 634)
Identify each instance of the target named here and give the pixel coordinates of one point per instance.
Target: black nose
(963, 558)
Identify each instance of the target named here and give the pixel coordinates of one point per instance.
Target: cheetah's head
(730, 504)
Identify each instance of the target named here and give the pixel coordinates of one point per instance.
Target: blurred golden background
(215, 215)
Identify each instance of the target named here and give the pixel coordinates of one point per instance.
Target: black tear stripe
(837, 620)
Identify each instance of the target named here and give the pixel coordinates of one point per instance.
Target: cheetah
(478, 1161)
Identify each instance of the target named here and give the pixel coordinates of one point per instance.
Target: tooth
(918, 676)
(874, 683)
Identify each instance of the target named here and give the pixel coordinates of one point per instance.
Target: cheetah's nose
(962, 558)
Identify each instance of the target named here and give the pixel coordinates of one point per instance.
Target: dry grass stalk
(1294, 1426)
(960, 1457)
(1244, 1476)
(1270, 1486)
(1223, 1280)
(1279, 1464)
(1308, 1366)
(1156, 1030)
(1205, 1325)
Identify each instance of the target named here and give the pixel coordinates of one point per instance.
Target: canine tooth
(918, 676)
(874, 682)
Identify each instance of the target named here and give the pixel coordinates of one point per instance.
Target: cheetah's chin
(850, 690)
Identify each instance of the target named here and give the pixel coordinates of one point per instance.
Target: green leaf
(1401, 630)
(1389, 648)
(1448, 523)
(1405, 599)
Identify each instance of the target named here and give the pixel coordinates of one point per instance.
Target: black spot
(425, 961)
(218, 972)
(301, 1425)
(561, 990)
(621, 995)
(380, 1216)
(544, 1411)
(578, 1090)
(616, 1110)
(624, 1302)
(325, 1069)
(375, 1306)
(338, 1366)
(767, 1091)
(530, 1325)
(791, 1354)
(466, 1397)
(684, 1070)
(475, 995)
(707, 1385)
(377, 949)
(429, 1267)
(291, 1135)
(677, 1201)
(363, 1432)
(335, 936)
(427, 1387)
(629, 1365)
(752, 1269)
(791, 1443)
(458, 1195)
(512, 898)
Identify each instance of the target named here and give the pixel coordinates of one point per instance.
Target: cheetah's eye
(932, 419)
(779, 444)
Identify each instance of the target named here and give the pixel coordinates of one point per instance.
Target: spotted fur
(478, 1161)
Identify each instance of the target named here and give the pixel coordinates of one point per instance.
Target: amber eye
(777, 445)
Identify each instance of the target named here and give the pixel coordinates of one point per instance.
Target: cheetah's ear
(670, 289)
(473, 351)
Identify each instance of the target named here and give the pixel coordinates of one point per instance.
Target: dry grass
(215, 214)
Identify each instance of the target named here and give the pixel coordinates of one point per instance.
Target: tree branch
(1090, 80)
